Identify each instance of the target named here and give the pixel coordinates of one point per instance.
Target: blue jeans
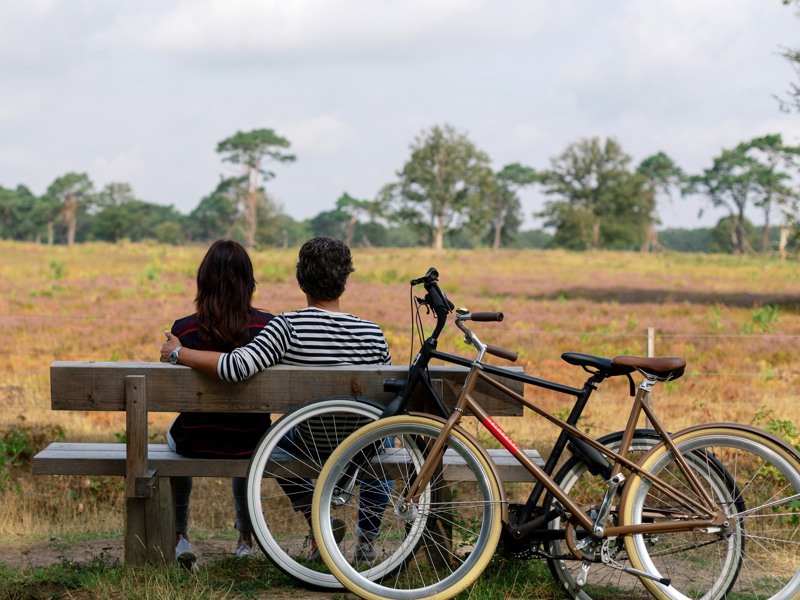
(182, 489)
(372, 498)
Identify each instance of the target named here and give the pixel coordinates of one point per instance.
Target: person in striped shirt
(318, 335)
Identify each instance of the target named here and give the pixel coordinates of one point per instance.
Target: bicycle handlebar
(486, 316)
(502, 352)
(441, 306)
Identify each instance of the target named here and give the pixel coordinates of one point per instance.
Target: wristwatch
(173, 356)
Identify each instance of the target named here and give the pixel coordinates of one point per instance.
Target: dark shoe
(339, 530)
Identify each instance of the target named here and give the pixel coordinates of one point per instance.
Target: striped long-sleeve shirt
(308, 337)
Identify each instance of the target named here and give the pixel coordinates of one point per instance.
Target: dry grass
(111, 302)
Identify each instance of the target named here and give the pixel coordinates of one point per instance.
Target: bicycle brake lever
(425, 303)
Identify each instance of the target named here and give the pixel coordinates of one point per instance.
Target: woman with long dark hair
(225, 320)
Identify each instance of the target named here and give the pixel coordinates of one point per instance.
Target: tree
(720, 240)
(115, 220)
(138, 220)
(744, 176)
(686, 240)
(271, 230)
(330, 223)
(121, 215)
(73, 192)
(354, 209)
(663, 176)
(439, 183)
(114, 194)
(776, 158)
(251, 151)
(23, 216)
(729, 183)
(501, 208)
(600, 202)
(217, 214)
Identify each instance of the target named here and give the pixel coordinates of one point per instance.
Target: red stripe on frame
(501, 435)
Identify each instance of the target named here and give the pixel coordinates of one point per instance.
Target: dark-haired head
(323, 267)
(225, 287)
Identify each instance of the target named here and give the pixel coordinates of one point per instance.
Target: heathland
(736, 320)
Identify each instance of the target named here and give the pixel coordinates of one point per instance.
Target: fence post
(651, 351)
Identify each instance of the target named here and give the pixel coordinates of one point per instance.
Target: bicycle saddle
(662, 368)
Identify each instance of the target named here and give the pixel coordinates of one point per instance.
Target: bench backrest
(139, 388)
(99, 386)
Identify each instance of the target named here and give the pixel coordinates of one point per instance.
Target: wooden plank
(64, 458)
(456, 468)
(101, 386)
(136, 432)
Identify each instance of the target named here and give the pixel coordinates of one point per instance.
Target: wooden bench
(139, 388)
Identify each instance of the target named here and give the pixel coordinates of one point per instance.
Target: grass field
(736, 320)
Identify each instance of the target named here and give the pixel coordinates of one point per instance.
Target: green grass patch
(102, 578)
(229, 578)
(507, 579)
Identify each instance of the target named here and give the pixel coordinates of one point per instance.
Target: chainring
(522, 549)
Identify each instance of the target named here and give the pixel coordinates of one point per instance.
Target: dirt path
(41, 554)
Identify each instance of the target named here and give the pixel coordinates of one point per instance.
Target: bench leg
(150, 527)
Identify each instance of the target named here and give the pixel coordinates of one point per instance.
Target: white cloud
(683, 34)
(257, 25)
(526, 135)
(16, 158)
(120, 167)
(20, 104)
(322, 134)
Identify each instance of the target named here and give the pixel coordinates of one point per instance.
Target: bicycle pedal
(580, 581)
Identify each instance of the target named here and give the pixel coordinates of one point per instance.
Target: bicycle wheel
(433, 548)
(587, 490)
(757, 554)
(281, 478)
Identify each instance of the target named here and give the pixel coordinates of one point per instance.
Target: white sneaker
(244, 550)
(185, 556)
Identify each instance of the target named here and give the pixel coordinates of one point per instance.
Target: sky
(142, 92)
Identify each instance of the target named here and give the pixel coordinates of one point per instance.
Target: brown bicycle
(712, 511)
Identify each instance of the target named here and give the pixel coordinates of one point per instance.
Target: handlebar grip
(486, 316)
(430, 277)
(502, 353)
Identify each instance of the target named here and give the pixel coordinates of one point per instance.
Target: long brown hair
(225, 287)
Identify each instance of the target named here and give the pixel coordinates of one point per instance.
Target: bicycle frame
(709, 514)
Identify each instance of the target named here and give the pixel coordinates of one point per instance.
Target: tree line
(446, 194)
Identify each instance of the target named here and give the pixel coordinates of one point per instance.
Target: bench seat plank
(108, 459)
(67, 458)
